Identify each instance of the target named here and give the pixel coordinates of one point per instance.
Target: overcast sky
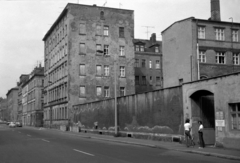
(23, 24)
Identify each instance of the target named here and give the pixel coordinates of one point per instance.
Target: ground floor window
(235, 116)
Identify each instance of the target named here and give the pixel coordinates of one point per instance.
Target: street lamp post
(115, 97)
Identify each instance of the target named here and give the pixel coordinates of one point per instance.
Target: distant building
(4, 113)
(195, 49)
(32, 98)
(23, 79)
(81, 49)
(12, 103)
(148, 64)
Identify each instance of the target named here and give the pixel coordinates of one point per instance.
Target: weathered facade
(32, 98)
(148, 64)
(195, 49)
(4, 113)
(81, 50)
(22, 80)
(216, 102)
(12, 103)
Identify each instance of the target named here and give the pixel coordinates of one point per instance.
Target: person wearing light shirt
(187, 130)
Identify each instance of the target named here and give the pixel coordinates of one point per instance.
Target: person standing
(200, 135)
(187, 130)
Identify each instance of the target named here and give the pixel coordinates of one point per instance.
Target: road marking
(45, 140)
(83, 152)
(28, 135)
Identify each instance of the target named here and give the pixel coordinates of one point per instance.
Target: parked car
(12, 124)
(19, 124)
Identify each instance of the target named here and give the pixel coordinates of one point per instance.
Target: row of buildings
(90, 54)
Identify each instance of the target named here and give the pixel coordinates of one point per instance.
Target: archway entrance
(202, 104)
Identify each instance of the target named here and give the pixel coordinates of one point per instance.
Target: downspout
(198, 64)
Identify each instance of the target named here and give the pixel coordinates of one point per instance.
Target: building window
(122, 71)
(235, 59)
(106, 49)
(137, 48)
(99, 91)
(150, 80)
(121, 32)
(202, 56)
(82, 48)
(82, 90)
(137, 63)
(235, 35)
(201, 32)
(106, 70)
(143, 63)
(137, 80)
(144, 81)
(158, 82)
(156, 49)
(105, 30)
(99, 49)
(82, 28)
(98, 30)
(157, 64)
(122, 91)
(98, 70)
(235, 116)
(150, 64)
(141, 48)
(82, 70)
(106, 92)
(220, 58)
(121, 51)
(219, 34)
(101, 15)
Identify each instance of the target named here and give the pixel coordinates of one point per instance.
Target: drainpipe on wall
(198, 66)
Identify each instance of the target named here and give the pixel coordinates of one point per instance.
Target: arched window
(101, 15)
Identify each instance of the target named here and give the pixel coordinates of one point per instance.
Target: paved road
(29, 145)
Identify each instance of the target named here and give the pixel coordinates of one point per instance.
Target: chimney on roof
(153, 38)
(215, 10)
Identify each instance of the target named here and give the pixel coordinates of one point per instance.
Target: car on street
(19, 124)
(12, 124)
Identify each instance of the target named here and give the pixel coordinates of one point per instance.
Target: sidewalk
(207, 151)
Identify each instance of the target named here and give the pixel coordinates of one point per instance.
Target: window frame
(82, 50)
(121, 32)
(219, 34)
(122, 71)
(82, 94)
(82, 28)
(122, 91)
(202, 56)
(201, 32)
(106, 91)
(97, 90)
(122, 51)
(106, 70)
(82, 72)
(106, 50)
(157, 64)
(106, 30)
(98, 71)
(219, 56)
(237, 116)
(235, 35)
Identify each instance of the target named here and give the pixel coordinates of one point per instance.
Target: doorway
(202, 104)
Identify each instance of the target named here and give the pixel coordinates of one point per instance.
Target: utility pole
(232, 43)
(147, 29)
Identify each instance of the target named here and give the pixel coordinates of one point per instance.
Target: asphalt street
(30, 145)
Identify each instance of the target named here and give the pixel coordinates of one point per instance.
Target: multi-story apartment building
(148, 64)
(23, 78)
(4, 113)
(82, 48)
(195, 49)
(12, 103)
(32, 98)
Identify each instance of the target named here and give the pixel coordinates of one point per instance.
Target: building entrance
(202, 104)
